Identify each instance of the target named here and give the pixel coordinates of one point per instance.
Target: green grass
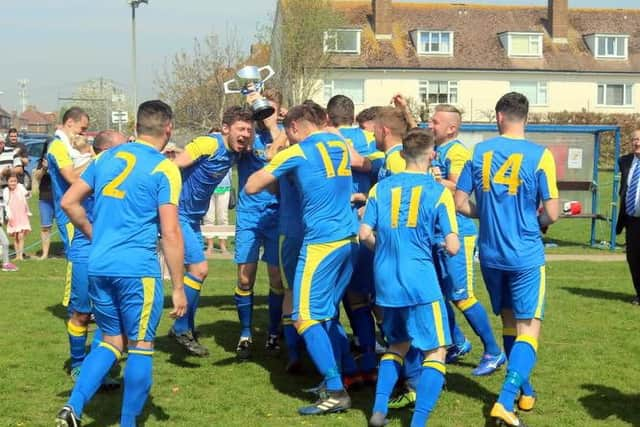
(586, 375)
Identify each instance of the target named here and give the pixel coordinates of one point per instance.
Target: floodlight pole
(134, 73)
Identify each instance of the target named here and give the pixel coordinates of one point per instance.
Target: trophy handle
(268, 68)
(228, 89)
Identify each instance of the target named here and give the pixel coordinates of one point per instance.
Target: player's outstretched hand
(179, 303)
(399, 101)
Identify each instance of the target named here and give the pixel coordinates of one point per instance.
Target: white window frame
(334, 33)
(423, 87)
(627, 87)
(615, 54)
(541, 86)
(532, 36)
(422, 51)
(329, 84)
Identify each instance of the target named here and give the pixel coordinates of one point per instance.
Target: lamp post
(134, 74)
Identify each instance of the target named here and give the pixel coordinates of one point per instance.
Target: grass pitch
(586, 376)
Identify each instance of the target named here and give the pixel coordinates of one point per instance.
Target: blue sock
(457, 336)
(508, 339)
(137, 383)
(97, 338)
(77, 343)
(192, 287)
(244, 305)
(341, 347)
(429, 389)
(388, 374)
(413, 366)
(521, 362)
(320, 350)
(291, 337)
(94, 368)
(364, 328)
(276, 296)
(479, 320)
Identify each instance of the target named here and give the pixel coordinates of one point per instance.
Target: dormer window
(434, 42)
(522, 44)
(342, 41)
(608, 46)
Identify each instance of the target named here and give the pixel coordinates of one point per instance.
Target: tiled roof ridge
(341, 4)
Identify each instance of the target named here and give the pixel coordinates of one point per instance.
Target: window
(351, 88)
(342, 41)
(536, 92)
(611, 46)
(435, 42)
(522, 44)
(614, 94)
(438, 91)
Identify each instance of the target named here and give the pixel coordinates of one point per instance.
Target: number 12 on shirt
(511, 166)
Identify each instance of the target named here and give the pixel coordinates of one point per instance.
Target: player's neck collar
(414, 172)
(143, 142)
(511, 136)
(393, 148)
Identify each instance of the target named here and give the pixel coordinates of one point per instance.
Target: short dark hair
(273, 95)
(74, 113)
(12, 130)
(340, 110)
(416, 143)
(318, 110)
(236, 114)
(152, 118)
(514, 105)
(394, 119)
(301, 112)
(367, 115)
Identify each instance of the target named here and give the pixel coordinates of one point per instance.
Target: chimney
(559, 20)
(382, 16)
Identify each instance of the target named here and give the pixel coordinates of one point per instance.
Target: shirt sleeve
(465, 180)
(370, 216)
(546, 176)
(285, 161)
(446, 210)
(457, 156)
(202, 146)
(170, 182)
(59, 153)
(89, 175)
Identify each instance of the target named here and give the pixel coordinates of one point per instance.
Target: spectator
(45, 204)
(218, 213)
(15, 196)
(4, 243)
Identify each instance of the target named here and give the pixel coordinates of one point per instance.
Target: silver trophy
(244, 78)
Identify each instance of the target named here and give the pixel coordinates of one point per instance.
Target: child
(15, 197)
(81, 153)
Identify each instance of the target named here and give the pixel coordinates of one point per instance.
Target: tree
(298, 46)
(192, 82)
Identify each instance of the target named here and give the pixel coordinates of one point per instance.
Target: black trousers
(632, 235)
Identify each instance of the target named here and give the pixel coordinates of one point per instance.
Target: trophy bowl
(252, 76)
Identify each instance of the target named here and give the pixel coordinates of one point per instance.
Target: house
(34, 121)
(5, 120)
(469, 55)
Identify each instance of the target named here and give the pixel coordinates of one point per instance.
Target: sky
(58, 44)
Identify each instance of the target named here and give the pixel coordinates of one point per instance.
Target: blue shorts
(249, 240)
(193, 243)
(362, 278)
(322, 275)
(521, 291)
(76, 289)
(456, 281)
(424, 325)
(130, 306)
(46, 213)
(289, 252)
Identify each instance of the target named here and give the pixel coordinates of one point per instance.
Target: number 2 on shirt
(343, 170)
(111, 189)
(511, 165)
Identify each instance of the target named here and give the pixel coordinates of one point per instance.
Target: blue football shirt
(509, 177)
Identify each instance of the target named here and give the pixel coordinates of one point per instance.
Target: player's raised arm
(201, 146)
(71, 204)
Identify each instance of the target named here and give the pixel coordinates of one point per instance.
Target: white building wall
(478, 91)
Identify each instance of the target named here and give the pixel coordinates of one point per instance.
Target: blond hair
(80, 143)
